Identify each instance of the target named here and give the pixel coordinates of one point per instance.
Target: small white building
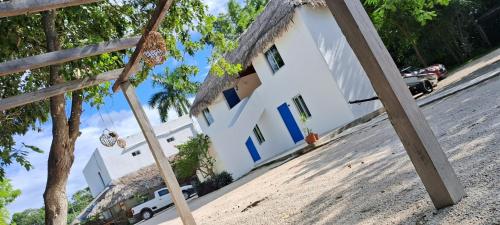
(296, 62)
(109, 164)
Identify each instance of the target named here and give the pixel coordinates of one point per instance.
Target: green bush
(194, 157)
(213, 183)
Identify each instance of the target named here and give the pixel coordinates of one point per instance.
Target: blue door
(290, 123)
(252, 149)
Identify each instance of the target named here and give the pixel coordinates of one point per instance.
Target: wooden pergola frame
(416, 135)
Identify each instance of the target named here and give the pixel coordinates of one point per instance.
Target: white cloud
(32, 183)
(216, 6)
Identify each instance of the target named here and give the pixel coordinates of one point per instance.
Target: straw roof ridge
(267, 27)
(141, 181)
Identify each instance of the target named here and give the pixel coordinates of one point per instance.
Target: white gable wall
(114, 163)
(91, 173)
(352, 80)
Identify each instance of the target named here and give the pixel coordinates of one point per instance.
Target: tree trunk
(413, 42)
(64, 135)
(482, 34)
(419, 55)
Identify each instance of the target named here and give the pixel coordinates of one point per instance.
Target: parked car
(421, 83)
(161, 200)
(438, 69)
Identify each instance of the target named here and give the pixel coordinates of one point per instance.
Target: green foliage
(79, 201)
(213, 183)
(238, 17)
(430, 31)
(194, 156)
(29, 217)
(228, 28)
(177, 87)
(7, 195)
(89, 24)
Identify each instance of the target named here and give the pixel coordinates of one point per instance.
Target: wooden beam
(58, 57)
(153, 24)
(19, 100)
(158, 154)
(20, 7)
(420, 143)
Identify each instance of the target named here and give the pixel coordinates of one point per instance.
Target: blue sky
(115, 114)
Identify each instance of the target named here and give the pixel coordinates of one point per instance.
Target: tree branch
(76, 113)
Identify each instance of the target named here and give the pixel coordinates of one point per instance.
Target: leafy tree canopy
(89, 24)
(7, 195)
(176, 89)
(79, 201)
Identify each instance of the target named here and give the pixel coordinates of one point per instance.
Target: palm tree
(177, 88)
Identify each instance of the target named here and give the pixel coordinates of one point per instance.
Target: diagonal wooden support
(154, 23)
(422, 146)
(66, 55)
(19, 7)
(58, 89)
(158, 154)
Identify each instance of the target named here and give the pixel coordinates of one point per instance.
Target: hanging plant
(155, 49)
(121, 143)
(108, 138)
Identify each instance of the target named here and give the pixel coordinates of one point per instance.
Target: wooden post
(57, 89)
(422, 146)
(66, 55)
(19, 7)
(158, 154)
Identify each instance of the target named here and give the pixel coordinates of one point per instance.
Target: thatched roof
(141, 181)
(268, 26)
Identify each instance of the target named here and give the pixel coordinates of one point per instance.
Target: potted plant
(311, 137)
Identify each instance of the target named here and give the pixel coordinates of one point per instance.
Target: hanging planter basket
(108, 138)
(155, 49)
(121, 143)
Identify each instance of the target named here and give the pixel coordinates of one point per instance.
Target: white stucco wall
(94, 166)
(319, 65)
(351, 80)
(115, 162)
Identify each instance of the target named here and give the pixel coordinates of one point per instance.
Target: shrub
(194, 156)
(213, 183)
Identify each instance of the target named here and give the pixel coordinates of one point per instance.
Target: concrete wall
(325, 82)
(114, 163)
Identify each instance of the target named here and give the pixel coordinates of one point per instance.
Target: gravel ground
(367, 177)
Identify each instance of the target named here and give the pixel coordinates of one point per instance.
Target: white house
(296, 62)
(109, 164)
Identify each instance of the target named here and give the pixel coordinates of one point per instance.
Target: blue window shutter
(232, 97)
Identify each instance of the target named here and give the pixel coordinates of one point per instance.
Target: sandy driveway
(367, 178)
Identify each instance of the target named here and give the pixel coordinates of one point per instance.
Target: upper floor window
(274, 59)
(258, 134)
(208, 117)
(301, 106)
(136, 153)
(170, 139)
(232, 97)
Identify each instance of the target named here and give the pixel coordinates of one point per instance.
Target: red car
(437, 69)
